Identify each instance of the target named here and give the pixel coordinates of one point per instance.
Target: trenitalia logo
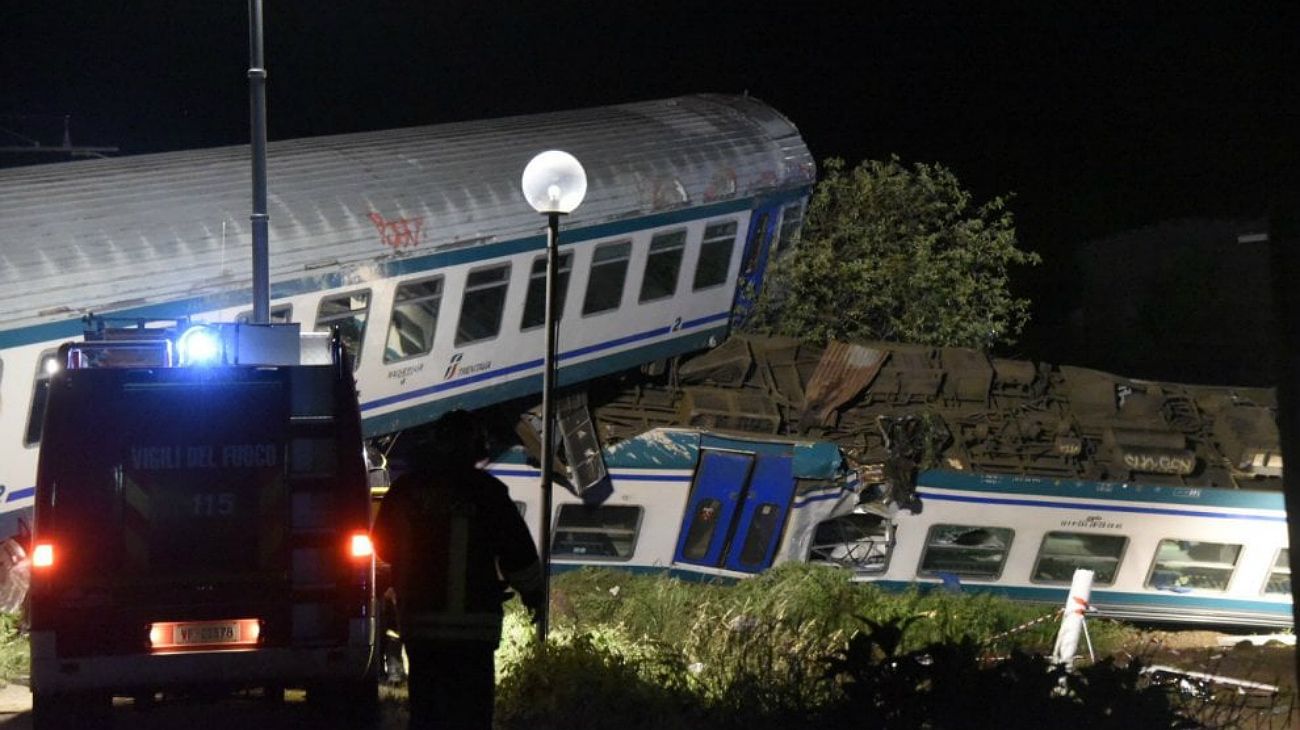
(455, 369)
(452, 365)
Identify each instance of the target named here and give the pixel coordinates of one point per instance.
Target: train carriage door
(719, 487)
(753, 265)
(737, 510)
(762, 516)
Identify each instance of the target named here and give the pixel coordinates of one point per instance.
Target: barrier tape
(1022, 627)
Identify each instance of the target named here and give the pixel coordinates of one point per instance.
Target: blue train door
(758, 243)
(737, 510)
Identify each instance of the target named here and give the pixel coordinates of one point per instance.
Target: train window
(608, 273)
(662, 266)
(966, 550)
(759, 536)
(484, 302)
(1279, 579)
(415, 316)
(857, 541)
(535, 299)
(348, 313)
(46, 365)
(602, 533)
(1063, 552)
(791, 223)
(280, 314)
(1190, 564)
(703, 524)
(715, 255)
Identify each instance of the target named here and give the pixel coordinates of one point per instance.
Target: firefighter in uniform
(451, 533)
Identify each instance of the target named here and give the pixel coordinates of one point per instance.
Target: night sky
(1097, 121)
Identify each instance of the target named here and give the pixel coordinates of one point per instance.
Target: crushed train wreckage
(960, 409)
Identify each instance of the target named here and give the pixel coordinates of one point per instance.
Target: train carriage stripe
(534, 364)
(926, 494)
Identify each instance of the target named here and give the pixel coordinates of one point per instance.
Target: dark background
(1099, 121)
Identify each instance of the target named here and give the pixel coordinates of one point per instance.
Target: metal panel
(844, 370)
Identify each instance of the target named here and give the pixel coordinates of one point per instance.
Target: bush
(589, 681)
(950, 685)
(797, 645)
(659, 608)
(752, 661)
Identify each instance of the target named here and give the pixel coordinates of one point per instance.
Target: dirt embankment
(1237, 656)
(1233, 657)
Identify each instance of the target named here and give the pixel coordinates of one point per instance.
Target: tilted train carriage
(416, 244)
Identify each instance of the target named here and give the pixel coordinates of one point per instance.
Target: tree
(898, 254)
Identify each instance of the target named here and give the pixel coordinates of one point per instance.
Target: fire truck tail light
(43, 555)
(359, 545)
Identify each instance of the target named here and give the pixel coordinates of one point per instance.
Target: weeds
(14, 654)
(802, 646)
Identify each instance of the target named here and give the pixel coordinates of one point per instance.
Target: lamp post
(554, 183)
(257, 112)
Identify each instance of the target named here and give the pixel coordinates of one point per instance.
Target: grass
(797, 646)
(802, 645)
(15, 658)
(819, 600)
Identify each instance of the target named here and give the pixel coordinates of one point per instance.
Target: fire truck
(201, 520)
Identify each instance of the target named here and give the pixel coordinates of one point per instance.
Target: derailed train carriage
(693, 503)
(1170, 493)
(416, 245)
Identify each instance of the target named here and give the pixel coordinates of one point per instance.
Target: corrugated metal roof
(97, 234)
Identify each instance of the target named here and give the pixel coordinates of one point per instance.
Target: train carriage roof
(121, 233)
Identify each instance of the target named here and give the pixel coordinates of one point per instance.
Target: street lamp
(259, 219)
(554, 183)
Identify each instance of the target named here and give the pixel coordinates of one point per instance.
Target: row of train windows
(609, 532)
(416, 304)
(1179, 565)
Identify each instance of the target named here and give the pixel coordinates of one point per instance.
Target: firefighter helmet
(456, 438)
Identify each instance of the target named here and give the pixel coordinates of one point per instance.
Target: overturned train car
(1000, 475)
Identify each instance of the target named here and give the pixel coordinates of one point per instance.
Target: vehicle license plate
(181, 635)
(207, 632)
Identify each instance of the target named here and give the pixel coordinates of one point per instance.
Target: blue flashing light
(199, 345)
